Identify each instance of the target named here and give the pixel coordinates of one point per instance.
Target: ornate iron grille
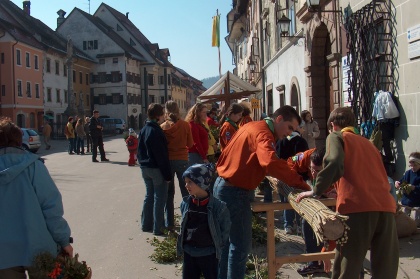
(371, 41)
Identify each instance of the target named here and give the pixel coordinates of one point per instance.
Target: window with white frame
(19, 88)
(57, 67)
(36, 62)
(28, 59)
(48, 63)
(18, 58)
(49, 97)
(57, 95)
(28, 89)
(37, 90)
(65, 96)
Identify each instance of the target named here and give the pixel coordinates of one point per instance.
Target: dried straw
(326, 224)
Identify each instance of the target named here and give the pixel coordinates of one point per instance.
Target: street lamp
(313, 7)
(284, 22)
(252, 66)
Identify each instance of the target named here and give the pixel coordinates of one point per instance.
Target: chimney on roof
(60, 18)
(27, 7)
(126, 14)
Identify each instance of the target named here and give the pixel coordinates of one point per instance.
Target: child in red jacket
(132, 143)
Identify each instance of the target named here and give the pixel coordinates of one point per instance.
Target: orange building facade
(21, 91)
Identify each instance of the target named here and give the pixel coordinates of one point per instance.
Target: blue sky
(183, 26)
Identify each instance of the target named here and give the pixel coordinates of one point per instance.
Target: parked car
(118, 122)
(30, 140)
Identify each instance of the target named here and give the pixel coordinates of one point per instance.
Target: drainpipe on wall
(165, 82)
(13, 77)
(262, 59)
(146, 95)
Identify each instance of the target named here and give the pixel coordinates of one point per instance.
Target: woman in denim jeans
(179, 137)
(153, 158)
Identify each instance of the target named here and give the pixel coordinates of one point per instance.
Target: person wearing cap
(132, 144)
(205, 225)
(412, 177)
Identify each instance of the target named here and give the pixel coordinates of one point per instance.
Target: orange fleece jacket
(226, 133)
(179, 138)
(356, 164)
(251, 155)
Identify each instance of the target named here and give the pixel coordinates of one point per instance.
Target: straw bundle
(326, 224)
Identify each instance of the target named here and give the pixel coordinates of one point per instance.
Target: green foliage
(75, 269)
(45, 265)
(259, 230)
(165, 250)
(405, 188)
(257, 268)
(42, 265)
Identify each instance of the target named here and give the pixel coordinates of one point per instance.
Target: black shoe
(105, 160)
(310, 269)
(95, 161)
(71, 153)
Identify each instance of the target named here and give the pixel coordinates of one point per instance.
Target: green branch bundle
(405, 188)
(326, 224)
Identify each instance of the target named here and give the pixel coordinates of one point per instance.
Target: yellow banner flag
(215, 38)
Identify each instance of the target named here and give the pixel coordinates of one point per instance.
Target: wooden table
(274, 263)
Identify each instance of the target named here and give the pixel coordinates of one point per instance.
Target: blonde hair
(194, 113)
(172, 110)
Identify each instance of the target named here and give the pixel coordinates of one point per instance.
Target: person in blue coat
(31, 208)
(153, 157)
(412, 177)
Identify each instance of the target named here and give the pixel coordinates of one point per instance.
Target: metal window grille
(371, 40)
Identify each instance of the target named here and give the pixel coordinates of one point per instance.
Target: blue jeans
(80, 145)
(72, 145)
(177, 167)
(152, 216)
(235, 255)
(310, 240)
(289, 215)
(194, 158)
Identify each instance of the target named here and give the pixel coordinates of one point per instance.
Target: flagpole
(218, 48)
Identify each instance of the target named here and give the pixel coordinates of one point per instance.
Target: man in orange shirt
(245, 161)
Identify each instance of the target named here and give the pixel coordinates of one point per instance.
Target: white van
(118, 122)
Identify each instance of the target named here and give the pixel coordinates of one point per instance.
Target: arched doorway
(294, 98)
(321, 93)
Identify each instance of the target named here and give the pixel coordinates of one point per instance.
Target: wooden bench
(274, 263)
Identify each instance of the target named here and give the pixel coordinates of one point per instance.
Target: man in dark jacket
(95, 128)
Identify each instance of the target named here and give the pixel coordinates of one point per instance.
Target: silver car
(30, 140)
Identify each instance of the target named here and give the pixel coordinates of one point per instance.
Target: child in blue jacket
(205, 225)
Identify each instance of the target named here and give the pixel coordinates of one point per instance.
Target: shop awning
(49, 117)
(237, 89)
